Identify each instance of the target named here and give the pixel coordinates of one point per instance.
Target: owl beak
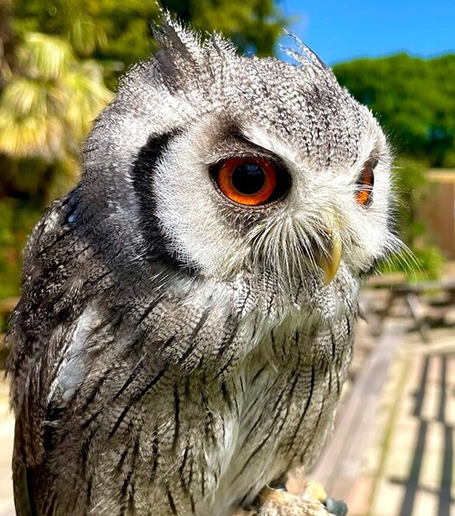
(330, 258)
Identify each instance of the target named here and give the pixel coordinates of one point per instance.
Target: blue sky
(341, 30)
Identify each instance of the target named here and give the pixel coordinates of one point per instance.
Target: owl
(187, 311)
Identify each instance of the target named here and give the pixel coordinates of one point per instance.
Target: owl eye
(365, 183)
(249, 181)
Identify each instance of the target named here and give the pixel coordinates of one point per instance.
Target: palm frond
(44, 57)
(46, 111)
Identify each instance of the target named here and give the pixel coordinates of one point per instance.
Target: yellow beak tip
(328, 277)
(330, 262)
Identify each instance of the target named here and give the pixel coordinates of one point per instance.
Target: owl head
(210, 165)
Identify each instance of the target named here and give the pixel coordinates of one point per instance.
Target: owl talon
(336, 507)
(315, 492)
(278, 502)
(313, 502)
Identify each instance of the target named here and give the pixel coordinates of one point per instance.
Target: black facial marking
(143, 177)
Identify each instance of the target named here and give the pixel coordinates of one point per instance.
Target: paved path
(409, 468)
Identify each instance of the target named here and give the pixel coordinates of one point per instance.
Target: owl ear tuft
(305, 57)
(183, 57)
(180, 52)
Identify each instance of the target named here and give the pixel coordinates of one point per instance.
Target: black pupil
(248, 178)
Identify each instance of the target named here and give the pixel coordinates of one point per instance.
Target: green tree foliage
(414, 99)
(48, 107)
(117, 33)
(76, 20)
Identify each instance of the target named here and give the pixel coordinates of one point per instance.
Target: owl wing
(74, 301)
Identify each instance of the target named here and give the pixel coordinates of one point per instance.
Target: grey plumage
(173, 351)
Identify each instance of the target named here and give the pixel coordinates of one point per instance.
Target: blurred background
(60, 60)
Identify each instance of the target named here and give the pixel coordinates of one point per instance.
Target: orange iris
(365, 186)
(249, 181)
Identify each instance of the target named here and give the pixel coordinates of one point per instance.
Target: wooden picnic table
(412, 294)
